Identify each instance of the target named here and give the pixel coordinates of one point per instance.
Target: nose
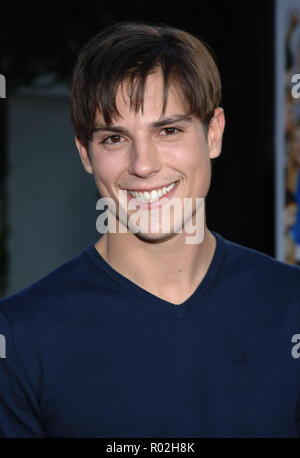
(144, 159)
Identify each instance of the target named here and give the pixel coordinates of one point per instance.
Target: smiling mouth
(153, 195)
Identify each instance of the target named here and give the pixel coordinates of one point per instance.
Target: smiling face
(152, 158)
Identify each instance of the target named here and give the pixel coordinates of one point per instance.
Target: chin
(154, 238)
(156, 233)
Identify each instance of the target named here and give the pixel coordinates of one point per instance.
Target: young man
(145, 334)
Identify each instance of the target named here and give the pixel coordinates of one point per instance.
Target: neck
(170, 269)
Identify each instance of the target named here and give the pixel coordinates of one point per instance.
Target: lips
(150, 188)
(147, 200)
(154, 194)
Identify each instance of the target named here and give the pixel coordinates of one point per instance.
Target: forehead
(152, 101)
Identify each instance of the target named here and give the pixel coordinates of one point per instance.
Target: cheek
(105, 168)
(105, 175)
(199, 167)
(193, 157)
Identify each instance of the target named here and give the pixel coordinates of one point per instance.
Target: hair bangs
(123, 56)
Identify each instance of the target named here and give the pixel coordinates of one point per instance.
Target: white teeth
(152, 195)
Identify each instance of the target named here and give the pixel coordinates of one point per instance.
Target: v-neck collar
(209, 280)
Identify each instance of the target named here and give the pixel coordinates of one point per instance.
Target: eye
(112, 140)
(170, 131)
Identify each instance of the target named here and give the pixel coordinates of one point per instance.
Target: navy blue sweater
(91, 354)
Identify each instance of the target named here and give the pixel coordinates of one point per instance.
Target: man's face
(146, 151)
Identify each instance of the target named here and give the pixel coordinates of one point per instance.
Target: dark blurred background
(47, 200)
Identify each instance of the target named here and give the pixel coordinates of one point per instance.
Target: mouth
(153, 196)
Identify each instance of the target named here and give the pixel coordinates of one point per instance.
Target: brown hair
(134, 50)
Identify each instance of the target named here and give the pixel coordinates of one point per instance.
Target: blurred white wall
(52, 200)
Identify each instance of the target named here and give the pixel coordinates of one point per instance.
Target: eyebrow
(99, 127)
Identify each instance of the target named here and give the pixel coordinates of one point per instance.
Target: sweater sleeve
(20, 414)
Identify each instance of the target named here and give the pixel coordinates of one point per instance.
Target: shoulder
(56, 289)
(258, 264)
(257, 275)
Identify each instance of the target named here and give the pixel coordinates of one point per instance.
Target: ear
(215, 133)
(84, 156)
